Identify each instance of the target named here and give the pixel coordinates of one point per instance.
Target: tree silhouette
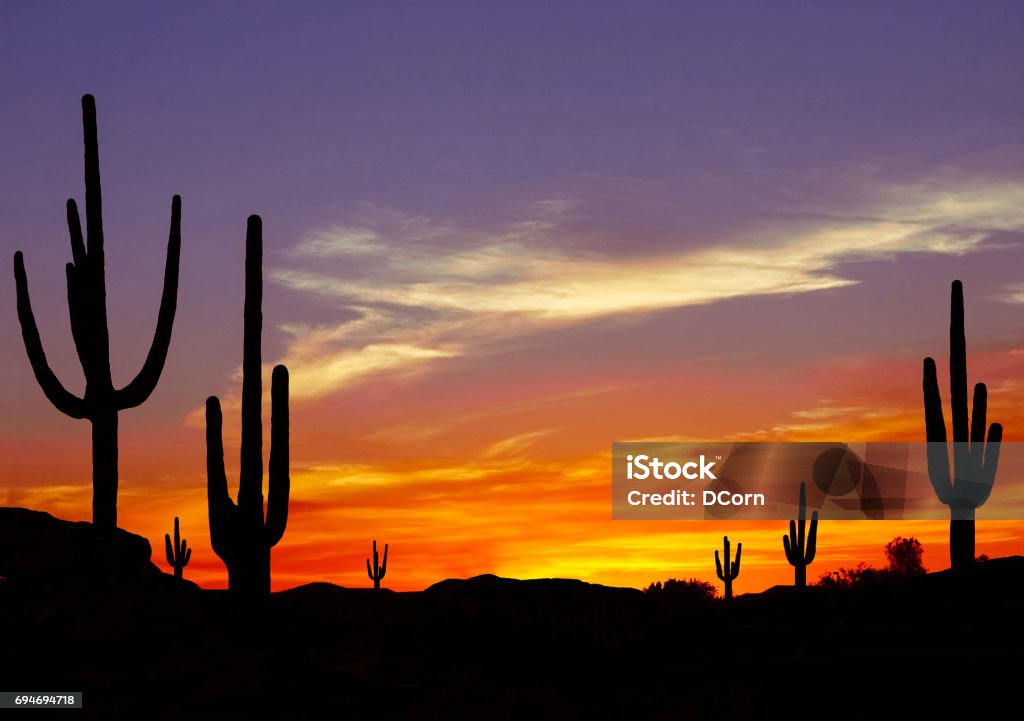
(904, 556)
(974, 464)
(87, 305)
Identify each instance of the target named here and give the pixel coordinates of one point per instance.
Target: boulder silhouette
(39, 548)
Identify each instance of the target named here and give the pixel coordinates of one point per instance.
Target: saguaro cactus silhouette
(179, 554)
(379, 569)
(728, 573)
(239, 533)
(799, 547)
(87, 304)
(974, 464)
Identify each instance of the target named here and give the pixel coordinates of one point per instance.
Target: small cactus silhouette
(800, 548)
(974, 463)
(376, 573)
(87, 305)
(239, 533)
(728, 573)
(178, 554)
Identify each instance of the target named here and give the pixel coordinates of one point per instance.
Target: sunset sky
(499, 237)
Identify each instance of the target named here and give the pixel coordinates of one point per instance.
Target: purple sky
(541, 134)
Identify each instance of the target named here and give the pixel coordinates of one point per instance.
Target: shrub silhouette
(376, 574)
(87, 305)
(860, 576)
(728, 572)
(178, 554)
(693, 589)
(904, 556)
(974, 464)
(239, 533)
(800, 548)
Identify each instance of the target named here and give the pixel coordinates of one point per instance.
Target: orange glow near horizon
(526, 502)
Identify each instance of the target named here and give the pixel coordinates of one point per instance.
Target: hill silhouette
(85, 609)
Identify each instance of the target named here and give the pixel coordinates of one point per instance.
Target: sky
(499, 237)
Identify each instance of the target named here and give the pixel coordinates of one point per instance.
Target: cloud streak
(427, 291)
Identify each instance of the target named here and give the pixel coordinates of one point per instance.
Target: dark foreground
(80, 612)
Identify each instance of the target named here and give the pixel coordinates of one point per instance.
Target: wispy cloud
(426, 290)
(1013, 293)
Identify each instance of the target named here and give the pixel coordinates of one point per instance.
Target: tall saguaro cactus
(376, 574)
(239, 532)
(974, 464)
(178, 554)
(87, 304)
(728, 573)
(800, 546)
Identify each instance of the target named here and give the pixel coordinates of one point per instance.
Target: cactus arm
(368, 571)
(220, 504)
(812, 540)
(61, 398)
(718, 567)
(188, 554)
(736, 563)
(790, 544)
(136, 392)
(217, 480)
(279, 482)
(250, 486)
(935, 433)
(979, 410)
(75, 231)
(79, 319)
(991, 461)
(384, 566)
(167, 548)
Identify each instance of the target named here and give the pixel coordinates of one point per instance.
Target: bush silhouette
(904, 556)
(860, 576)
(693, 589)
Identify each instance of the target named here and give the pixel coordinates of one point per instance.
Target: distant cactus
(728, 573)
(800, 549)
(974, 465)
(178, 554)
(87, 304)
(379, 569)
(238, 532)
